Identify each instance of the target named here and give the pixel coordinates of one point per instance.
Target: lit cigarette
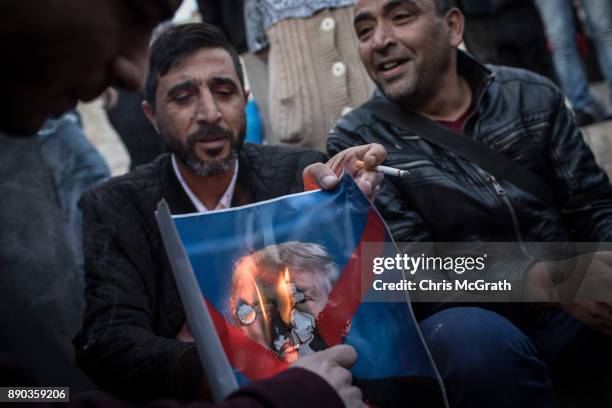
(386, 170)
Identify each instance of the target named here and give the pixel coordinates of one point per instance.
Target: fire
(248, 270)
(262, 305)
(285, 295)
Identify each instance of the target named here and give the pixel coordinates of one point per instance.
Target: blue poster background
(385, 335)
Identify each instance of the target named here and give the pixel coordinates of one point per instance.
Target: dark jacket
(228, 16)
(449, 199)
(127, 344)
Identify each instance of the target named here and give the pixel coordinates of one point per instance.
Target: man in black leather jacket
(486, 358)
(134, 341)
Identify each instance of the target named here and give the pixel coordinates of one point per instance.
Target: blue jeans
(76, 166)
(487, 361)
(559, 21)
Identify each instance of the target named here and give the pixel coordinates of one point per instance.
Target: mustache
(208, 133)
(390, 53)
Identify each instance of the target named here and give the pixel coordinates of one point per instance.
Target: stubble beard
(421, 87)
(210, 167)
(186, 153)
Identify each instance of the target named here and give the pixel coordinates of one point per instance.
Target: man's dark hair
(443, 6)
(178, 43)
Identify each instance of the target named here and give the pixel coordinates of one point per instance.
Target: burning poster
(282, 279)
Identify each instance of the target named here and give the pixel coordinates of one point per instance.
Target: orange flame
(247, 270)
(285, 295)
(262, 307)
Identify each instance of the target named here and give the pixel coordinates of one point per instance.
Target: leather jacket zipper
(499, 190)
(410, 165)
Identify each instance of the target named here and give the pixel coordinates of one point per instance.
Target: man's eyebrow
(387, 8)
(362, 16)
(182, 86)
(224, 80)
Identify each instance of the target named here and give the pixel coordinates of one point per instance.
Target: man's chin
(398, 92)
(211, 166)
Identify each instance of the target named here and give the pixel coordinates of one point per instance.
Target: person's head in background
(57, 52)
(195, 97)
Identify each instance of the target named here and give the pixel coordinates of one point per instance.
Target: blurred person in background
(124, 113)
(558, 17)
(507, 32)
(313, 64)
(76, 166)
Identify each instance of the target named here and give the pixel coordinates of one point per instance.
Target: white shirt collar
(226, 199)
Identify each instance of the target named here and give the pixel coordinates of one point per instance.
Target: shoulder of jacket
(511, 76)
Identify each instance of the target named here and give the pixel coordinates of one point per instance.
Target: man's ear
(456, 25)
(149, 112)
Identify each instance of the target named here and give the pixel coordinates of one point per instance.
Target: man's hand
(596, 315)
(332, 365)
(185, 334)
(581, 285)
(368, 179)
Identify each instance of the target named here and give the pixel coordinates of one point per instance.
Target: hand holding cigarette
(386, 170)
(367, 178)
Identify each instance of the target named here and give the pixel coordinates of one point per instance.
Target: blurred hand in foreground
(332, 365)
(582, 285)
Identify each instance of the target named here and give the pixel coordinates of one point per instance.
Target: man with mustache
(134, 340)
(496, 355)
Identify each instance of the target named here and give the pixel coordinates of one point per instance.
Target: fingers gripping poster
(283, 279)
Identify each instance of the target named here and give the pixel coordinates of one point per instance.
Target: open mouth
(212, 148)
(391, 68)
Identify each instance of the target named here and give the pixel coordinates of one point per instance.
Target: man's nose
(207, 109)
(383, 37)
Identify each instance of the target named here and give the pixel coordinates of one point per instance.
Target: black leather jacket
(449, 199)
